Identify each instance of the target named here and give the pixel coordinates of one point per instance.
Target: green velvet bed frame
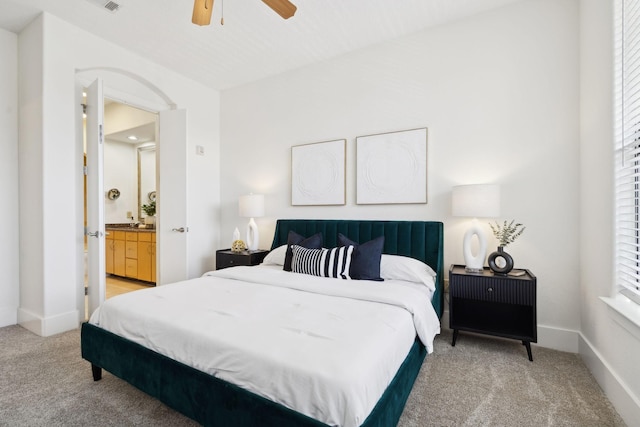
(213, 402)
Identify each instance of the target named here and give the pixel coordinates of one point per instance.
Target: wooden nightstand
(485, 303)
(227, 258)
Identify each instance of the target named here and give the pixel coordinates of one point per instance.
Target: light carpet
(482, 381)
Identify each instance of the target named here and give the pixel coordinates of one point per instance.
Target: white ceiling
(254, 42)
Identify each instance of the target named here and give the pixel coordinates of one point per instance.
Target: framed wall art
(318, 173)
(392, 167)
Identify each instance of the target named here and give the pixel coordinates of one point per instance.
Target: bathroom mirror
(146, 176)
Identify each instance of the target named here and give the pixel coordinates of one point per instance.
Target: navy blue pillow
(365, 264)
(293, 238)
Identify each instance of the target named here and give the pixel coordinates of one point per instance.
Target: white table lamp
(252, 206)
(475, 201)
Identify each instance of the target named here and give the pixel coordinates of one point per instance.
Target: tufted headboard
(422, 240)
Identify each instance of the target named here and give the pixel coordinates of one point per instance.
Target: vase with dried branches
(501, 262)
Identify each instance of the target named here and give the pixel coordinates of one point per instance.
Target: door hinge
(84, 170)
(100, 131)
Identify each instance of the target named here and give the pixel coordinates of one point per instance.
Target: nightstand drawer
(488, 289)
(226, 258)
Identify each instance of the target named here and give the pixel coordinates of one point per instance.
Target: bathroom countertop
(127, 227)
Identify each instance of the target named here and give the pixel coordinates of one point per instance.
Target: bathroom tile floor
(119, 285)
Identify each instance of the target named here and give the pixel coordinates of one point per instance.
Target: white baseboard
(548, 336)
(558, 338)
(50, 325)
(626, 403)
(8, 316)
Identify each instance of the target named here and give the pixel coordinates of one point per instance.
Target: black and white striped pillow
(323, 262)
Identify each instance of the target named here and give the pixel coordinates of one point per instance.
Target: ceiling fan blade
(202, 10)
(284, 8)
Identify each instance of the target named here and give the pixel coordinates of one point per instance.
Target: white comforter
(327, 348)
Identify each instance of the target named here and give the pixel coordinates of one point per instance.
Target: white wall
(9, 215)
(31, 172)
(499, 95)
(121, 172)
(50, 52)
(610, 350)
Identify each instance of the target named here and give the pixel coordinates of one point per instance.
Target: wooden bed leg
(97, 372)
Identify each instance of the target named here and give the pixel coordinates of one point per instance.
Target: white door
(95, 196)
(172, 228)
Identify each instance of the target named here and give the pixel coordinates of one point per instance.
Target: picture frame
(318, 173)
(391, 168)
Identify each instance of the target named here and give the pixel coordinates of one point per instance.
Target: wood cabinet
(131, 254)
(147, 257)
(115, 253)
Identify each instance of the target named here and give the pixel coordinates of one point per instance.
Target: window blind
(627, 147)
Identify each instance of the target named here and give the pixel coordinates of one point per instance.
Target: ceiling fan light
(284, 8)
(202, 10)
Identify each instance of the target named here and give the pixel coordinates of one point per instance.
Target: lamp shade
(476, 201)
(251, 205)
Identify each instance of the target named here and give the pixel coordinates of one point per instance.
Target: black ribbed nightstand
(227, 258)
(485, 303)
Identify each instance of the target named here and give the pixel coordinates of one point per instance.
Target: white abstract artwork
(392, 167)
(318, 173)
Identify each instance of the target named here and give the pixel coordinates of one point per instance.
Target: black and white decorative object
(323, 262)
(499, 261)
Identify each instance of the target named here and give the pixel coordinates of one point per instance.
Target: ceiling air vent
(112, 6)
(108, 5)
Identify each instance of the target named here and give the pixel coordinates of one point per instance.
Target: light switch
(199, 150)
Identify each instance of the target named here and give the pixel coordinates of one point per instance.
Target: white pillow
(396, 267)
(276, 256)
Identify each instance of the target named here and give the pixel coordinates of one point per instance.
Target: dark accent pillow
(365, 264)
(323, 262)
(293, 238)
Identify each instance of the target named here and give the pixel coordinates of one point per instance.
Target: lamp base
(474, 270)
(252, 235)
(474, 263)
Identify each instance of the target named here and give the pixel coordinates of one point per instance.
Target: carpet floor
(482, 381)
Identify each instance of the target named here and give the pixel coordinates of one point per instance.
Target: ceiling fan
(202, 10)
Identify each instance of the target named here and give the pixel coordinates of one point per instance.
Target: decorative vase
(150, 220)
(500, 262)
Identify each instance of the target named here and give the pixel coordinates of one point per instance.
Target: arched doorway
(171, 237)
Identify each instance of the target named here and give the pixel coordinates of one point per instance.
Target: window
(627, 148)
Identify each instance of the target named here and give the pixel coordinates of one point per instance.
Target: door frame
(83, 78)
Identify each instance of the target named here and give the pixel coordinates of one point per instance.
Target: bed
(210, 399)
